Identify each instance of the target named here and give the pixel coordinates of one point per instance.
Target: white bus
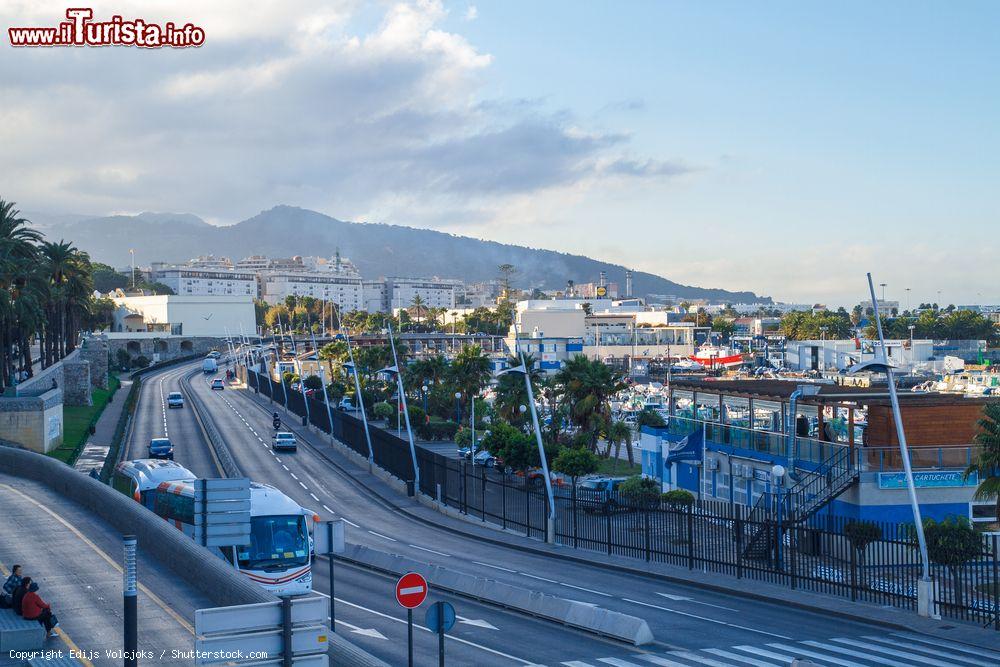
(278, 556)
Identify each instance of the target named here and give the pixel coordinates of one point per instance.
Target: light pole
(423, 393)
(912, 356)
(131, 251)
(406, 414)
(907, 299)
(458, 407)
(822, 333)
(925, 590)
(882, 285)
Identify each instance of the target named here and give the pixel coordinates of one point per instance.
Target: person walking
(34, 608)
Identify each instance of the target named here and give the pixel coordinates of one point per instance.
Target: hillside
(377, 249)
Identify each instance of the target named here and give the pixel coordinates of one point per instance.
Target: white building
(193, 281)
(434, 292)
(374, 296)
(185, 315)
(345, 291)
(834, 355)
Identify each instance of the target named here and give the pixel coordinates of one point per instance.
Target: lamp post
(423, 394)
(131, 251)
(777, 479)
(822, 333)
(406, 414)
(458, 407)
(912, 355)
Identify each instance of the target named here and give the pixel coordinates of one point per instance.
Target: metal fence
(711, 536)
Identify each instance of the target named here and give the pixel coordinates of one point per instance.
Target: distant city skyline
(780, 148)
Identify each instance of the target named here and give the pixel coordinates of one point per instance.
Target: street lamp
(458, 407)
(822, 333)
(131, 251)
(912, 357)
(423, 393)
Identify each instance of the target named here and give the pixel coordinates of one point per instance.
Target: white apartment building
(346, 291)
(374, 298)
(434, 292)
(195, 281)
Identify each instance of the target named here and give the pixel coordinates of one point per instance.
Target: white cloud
(471, 14)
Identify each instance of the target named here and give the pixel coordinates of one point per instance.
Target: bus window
(174, 507)
(122, 483)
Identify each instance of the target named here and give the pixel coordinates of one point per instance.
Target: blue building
(836, 444)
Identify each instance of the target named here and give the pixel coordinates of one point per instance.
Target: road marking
(365, 632)
(853, 641)
(934, 641)
(617, 662)
(495, 567)
(589, 590)
(384, 537)
(439, 553)
(857, 654)
(284, 466)
(929, 651)
(328, 509)
(694, 657)
(303, 486)
(692, 600)
(314, 497)
(276, 458)
(732, 656)
(424, 629)
(765, 654)
(349, 522)
(533, 576)
(293, 475)
(705, 618)
(658, 660)
(476, 622)
(811, 654)
(576, 663)
(83, 538)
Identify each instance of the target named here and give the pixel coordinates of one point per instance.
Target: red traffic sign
(411, 590)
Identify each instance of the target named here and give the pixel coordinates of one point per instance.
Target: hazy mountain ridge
(377, 249)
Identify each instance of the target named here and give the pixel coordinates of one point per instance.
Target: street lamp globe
(778, 472)
(523, 409)
(424, 389)
(458, 395)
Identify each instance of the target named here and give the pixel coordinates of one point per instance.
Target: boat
(715, 356)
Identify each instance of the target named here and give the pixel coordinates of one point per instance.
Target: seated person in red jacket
(34, 608)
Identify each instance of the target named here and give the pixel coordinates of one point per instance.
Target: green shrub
(141, 361)
(575, 462)
(438, 430)
(651, 418)
(640, 492)
(463, 437)
(384, 411)
(123, 360)
(678, 498)
(313, 382)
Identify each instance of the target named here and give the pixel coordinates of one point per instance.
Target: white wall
(197, 315)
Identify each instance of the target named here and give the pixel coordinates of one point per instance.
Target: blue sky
(785, 148)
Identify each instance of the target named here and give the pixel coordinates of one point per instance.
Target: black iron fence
(880, 565)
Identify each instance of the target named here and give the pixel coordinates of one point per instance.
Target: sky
(781, 147)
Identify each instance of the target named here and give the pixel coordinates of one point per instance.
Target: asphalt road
(692, 626)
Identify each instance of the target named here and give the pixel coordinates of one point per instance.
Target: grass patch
(618, 468)
(77, 420)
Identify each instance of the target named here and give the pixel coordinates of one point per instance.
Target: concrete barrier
(594, 620)
(215, 441)
(17, 634)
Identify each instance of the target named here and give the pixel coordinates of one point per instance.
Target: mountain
(376, 249)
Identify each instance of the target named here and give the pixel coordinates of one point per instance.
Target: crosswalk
(897, 649)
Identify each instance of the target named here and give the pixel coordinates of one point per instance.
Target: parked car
(465, 453)
(175, 399)
(217, 383)
(598, 494)
(161, 448)
(283, 440)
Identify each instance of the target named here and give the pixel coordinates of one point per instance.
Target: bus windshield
(276, 543)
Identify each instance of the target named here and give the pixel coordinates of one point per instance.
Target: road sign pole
(440, 606)
(333, 617)
(131, 603)
(409, 636)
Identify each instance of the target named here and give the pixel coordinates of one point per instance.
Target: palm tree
(418, 305)
(19, 300)
(617, 433)
(987, 464)
(511, 392)
(588, 387)
(470, 372)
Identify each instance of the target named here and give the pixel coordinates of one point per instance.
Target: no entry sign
(411, 590)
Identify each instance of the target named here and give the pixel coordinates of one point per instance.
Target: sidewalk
(427, 511)
(99, 444)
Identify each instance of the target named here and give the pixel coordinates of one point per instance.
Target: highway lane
(367, 598)
(680, 616)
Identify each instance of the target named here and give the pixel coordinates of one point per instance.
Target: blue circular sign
(440, 615)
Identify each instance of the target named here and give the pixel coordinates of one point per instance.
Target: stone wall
(76, 382)
(33, 422)
(95, 349)
(162, 348)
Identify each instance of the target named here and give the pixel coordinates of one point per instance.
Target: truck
(209, 366)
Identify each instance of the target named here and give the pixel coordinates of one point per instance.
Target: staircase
(813, 490)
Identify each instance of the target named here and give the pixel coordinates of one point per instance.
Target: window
(174, 507)
(983, 512)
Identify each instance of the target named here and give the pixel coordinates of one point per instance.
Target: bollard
(131, 602)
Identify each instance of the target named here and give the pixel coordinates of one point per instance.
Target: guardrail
(215, 441)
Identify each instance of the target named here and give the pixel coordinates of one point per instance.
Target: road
(691, 625)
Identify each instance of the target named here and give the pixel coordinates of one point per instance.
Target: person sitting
(12, 584)
(34, 608)
(19, 594)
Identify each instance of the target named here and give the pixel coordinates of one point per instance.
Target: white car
(284, 440)
(175, 399)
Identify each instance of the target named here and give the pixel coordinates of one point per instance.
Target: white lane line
(328, 509)
(439, 553)
(962, 648)
(589, 590)
(284, 466)
(617, 662)
(812, 654)
(313, 495)
(928, 650)
(293, 475)
(384, 537)
(276, 458)
(496, 567)
(425, 629)
(705, 618)
(866, 656)
(701, 660)
(728, 655)
(349, 522)
(765, 654)
(853, 641)
(534, 576)
(303, 486)
(658, 660)
(576, 663)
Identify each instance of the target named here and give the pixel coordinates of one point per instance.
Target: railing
(888, 459)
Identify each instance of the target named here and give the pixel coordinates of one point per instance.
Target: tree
(517, 449)
(723, 327)
(651, 418)
(987, 463)
(640, 492)
(418, 305)
(107, 278)
(469, 373)
(575, 462)
(589, 386)
(678, 498)
(617, 433)
(313, 382)
(861, 534)
(511, 393)
(952, 543)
